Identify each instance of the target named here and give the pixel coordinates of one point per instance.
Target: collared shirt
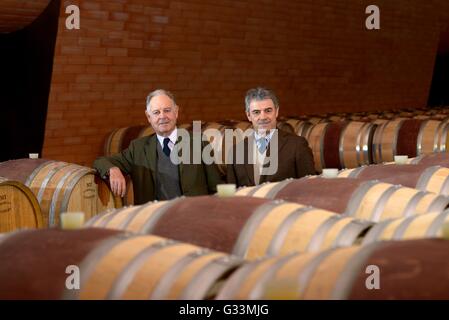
(173, 137)
(258, 136)
(259, 158)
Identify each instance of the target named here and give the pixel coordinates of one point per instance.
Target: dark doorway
(26, 63)
(439, 90)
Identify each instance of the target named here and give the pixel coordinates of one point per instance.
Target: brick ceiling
(17, 14)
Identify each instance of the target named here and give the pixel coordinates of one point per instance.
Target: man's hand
(117, 182)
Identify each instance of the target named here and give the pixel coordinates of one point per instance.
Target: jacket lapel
(248, 147)
(151, 156)
(282, 140)
(151, 153)
(181, 165)
(281, 143)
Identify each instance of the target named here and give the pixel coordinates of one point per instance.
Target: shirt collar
(173, 137)
(257, 136)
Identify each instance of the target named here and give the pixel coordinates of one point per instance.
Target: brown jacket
(295, 160)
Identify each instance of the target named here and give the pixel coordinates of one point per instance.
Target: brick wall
(316, 55)
(17, 14)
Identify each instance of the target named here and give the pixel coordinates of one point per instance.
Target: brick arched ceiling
(17, 14)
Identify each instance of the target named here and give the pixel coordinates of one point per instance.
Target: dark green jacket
(139, 161)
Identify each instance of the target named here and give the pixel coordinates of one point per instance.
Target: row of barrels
(34, 192)
(119, 139)
(341, 209)
(37, 191)
(245, 247)
(301, 252)
(353, 144)
(350, 144)
(253, 227)
(368, 200)
(439, 113)
(342, 144)
(113, 264)
(426, 173)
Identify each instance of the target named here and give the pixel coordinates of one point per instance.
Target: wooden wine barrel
(246, 227)
(330, 148)
(373, 116)
(385, 140)
(315, 119)
(405, 137)
(337, 117)
(428, 137)
(443, 134)
(429, 225)
(341, 144)
(316, 140)
(242, 125)
(369, 200)
(61, 187)
(411, 269)
(379, 122)
(112, 265)
(355, 144)
(405, 114)
(433, 111)
(389, 115)
(119, 139)
(285, 126)
(18, 207)
(433, 179)
(357, 117)
(424, 117)
(128, 199)
(300, 127)
(440, 158)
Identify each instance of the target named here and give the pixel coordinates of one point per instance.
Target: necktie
(166, 149)
(263, 142)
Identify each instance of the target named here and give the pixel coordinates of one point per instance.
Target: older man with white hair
(149, 162)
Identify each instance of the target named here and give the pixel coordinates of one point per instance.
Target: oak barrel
(440, 158)
(119, 139)
(300, 127)
(111, 265)
(410, 137)
(429, 225)
(19, 207)
(433, 179)
(410, 269)
(60, 187)
(244, 226)
(369, 200)
(342, 144)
